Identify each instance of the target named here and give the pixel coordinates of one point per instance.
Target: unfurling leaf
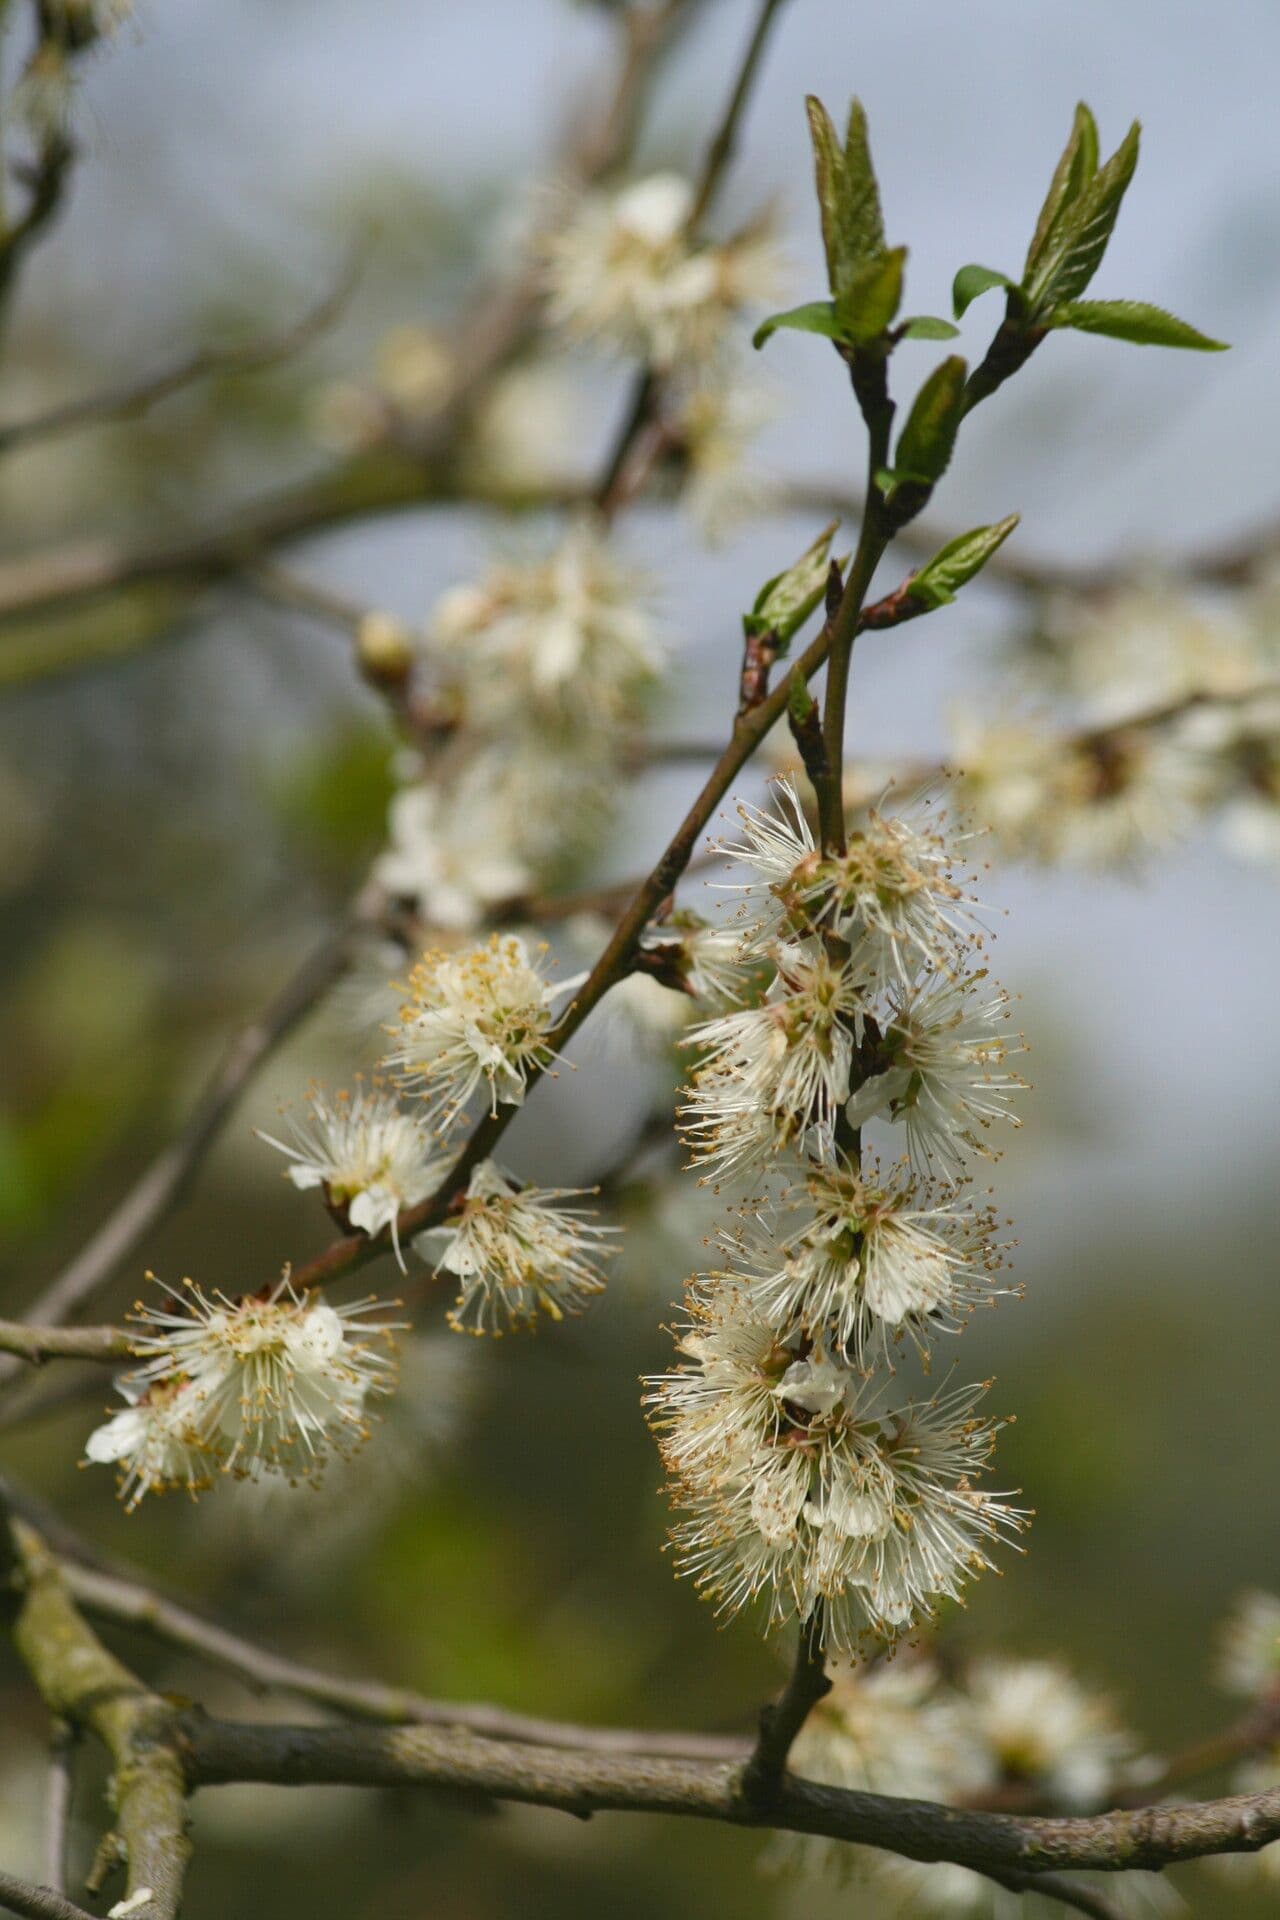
(784, 603)
(848, 197)
(1072, 175)
(973, 281)
(871, 300)
(927, 326)
(1133, 320)
(941, 579)
(925, 443)
(816, 316)
(1073, 251)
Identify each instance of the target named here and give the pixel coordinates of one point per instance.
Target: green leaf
(848, 197)
(927, 326)
(1074, 250)
(784, 603)
(828, 170)
(816, 316)
(925, 443)
(1072, 175)
(861, 216)
(1133, 320)
(972, 281)
(941, 579)
(872, 298)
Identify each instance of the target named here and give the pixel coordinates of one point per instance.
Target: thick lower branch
(89, 1688)
(219, 1751)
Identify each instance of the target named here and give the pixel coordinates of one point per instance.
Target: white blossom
(896, 887)
(872, 1257)
(564, 641)
(623, 269)
(371, 1157)
(801, 1489)
(519, 1251)
(476, 1020)
(279, 1379)
(159, 1441)
(1249, 1646)
(450, 854)
(943, 1072)
(771, 1074)
(777, 845)
(1043, 1729)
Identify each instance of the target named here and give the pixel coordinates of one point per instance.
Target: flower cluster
(476, 1021)
(986, 1730)
(270, 1383)
(1249, 1665)
(1145, 712)
(804, 1478)
(536, 676)
(517, 1251)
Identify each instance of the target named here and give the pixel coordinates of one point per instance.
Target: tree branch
(89, 1688)
(781, 1722)
(164, 1181)
(38, 1903)
(129, 1604)
(35, 1344)
(219, 1751)
(136, 397)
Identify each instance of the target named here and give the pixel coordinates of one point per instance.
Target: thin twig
(782, 1721)
(34, 1344)
(38, 1903)
(136, 397)
(624, 469)
(1075, 1894)
(164, 1181)
(128, 1603)
(57, 1806)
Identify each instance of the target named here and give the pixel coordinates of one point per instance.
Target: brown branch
(1230, 565)
(639, 439)
(58, 1797)
(38, 1903)
(90, 1689)
(409, 470)
(127, 1603)
(1069, 1893)
(781, 1722)
(135, 397)
(455, 1761)
(35, 1344)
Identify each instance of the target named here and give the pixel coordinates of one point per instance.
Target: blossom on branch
(476, 1021)
(517, 1252)
(371, 1157)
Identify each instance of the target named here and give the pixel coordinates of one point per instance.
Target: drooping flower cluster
(804, 1477)
(1146, 712)
(536, 679)
(270, 1383)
